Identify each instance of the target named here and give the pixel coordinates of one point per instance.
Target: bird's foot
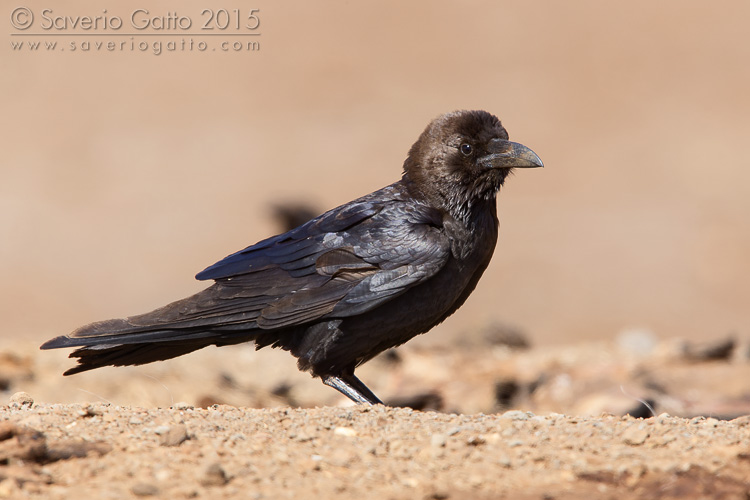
(353, 388)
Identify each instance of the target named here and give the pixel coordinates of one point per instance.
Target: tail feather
(167, 332)
(219, 315)
(140, 353)
(208, 308)
(157, 336)
(128, 354)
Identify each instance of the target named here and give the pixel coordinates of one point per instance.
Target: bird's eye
(466, 149)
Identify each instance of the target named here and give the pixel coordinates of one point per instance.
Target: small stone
(345, 431)
(175, 435)
(635, 435)
(74, 448)
(214, 475)
(144, 490)
(135, 421)
(183, 406)
(517, 415)
(21, 399)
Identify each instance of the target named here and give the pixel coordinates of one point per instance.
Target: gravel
(378, 452)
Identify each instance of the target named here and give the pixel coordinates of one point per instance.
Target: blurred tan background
(124, 173)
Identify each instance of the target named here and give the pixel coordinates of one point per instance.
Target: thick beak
(506, 154)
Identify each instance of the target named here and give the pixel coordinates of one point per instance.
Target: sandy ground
(494, 421)
(229, 452)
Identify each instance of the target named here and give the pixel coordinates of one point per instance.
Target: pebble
(635, 435)
(517, 415)
(174, 435)
(214, 475)
(345, 431)
(21, 399)
(144, 490)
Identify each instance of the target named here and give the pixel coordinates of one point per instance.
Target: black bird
(349, 284)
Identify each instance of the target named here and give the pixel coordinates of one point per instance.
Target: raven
(347, 285)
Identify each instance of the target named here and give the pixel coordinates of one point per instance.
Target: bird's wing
(292, 250)
(345, 262)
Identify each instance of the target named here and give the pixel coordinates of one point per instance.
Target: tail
(122, 350)
(179, 328)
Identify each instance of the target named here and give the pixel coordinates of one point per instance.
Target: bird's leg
(351, 387)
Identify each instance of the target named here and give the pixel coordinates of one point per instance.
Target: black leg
(351, 387)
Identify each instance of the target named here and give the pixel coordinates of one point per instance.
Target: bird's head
(462, 158)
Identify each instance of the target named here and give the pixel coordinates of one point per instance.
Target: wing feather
(347, 261)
